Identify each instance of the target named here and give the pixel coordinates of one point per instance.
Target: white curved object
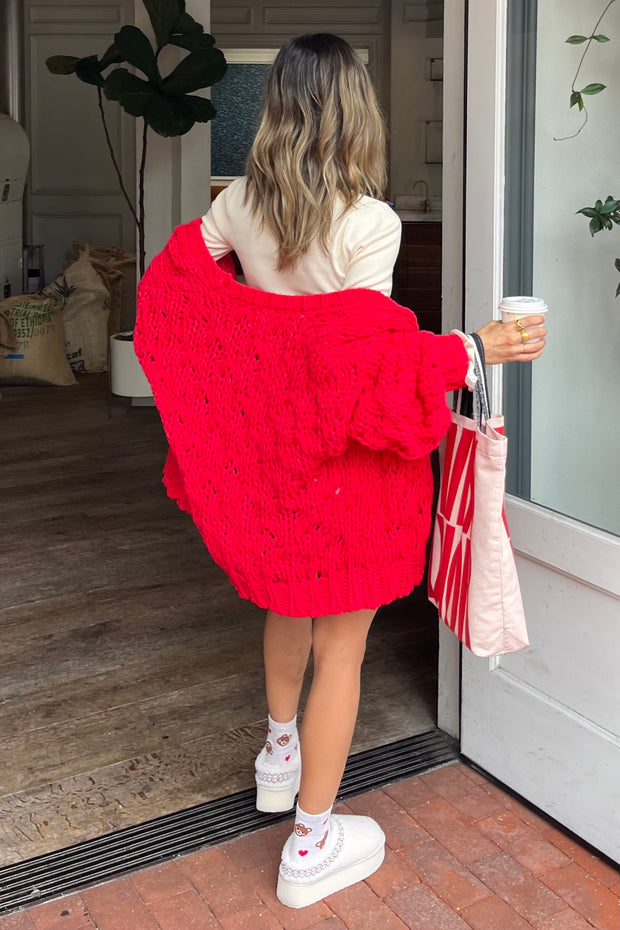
(126, 376)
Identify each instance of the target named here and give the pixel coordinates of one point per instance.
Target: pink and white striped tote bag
(472, 577)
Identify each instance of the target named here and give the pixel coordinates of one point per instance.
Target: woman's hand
(514, 341)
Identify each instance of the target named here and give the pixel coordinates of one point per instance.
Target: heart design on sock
(303, 852)
(287, 759)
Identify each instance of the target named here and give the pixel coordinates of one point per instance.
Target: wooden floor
(130, 671)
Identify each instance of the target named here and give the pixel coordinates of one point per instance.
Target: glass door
(546, 720)
(562, 160)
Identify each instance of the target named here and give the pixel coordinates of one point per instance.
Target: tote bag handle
(475, 404)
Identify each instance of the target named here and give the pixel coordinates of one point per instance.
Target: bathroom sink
(417, 216)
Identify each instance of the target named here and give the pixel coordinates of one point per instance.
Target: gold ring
(519, 324)
(525, 336)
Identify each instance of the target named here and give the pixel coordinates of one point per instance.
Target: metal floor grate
(54, 874)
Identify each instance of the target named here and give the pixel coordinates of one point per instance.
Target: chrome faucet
(426, 204)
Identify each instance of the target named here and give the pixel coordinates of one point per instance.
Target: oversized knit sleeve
(400, 401)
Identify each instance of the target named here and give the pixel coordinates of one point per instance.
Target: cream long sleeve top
(362, 250)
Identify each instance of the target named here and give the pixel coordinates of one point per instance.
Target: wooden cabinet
(417, 274)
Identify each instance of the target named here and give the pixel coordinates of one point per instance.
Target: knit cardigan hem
(313, 600)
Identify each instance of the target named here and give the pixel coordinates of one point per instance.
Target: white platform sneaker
(276, 785)
(354, 849)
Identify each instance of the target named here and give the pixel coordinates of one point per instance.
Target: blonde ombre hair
(321, 140)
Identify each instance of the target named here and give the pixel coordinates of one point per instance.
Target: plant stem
(581, 60)
(589, 42)
(141, 247)
(574, 135)
(114, 161)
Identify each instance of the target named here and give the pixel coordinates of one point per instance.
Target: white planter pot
(126, 376)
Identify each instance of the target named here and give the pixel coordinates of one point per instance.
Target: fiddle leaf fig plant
(166, 103)
(604, 214)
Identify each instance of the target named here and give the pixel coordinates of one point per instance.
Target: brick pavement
(461, 855)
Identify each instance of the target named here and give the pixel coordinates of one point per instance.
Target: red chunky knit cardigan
(299, 428)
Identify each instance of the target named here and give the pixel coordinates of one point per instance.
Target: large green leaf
(194, 42)
(197, 70)
(577, 40)
(133, 94)
(168, 115)
(62, 64)
(201, 109)
(164, 14)
(138, 51)
(89, 70)
(187, 25)
(111, 56)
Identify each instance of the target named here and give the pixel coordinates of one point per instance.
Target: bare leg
(286, 646)
(339, 644)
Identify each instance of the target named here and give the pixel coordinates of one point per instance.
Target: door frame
(453, 173)
(472, 263)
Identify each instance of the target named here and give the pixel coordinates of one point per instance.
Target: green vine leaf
(576, 99)
(610, 205)
(601, 38)
(577, 40)
(592, 89)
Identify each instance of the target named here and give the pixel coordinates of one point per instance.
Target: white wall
(576, 386)
(415, 39)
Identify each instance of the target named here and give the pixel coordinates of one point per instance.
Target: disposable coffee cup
(513, 308)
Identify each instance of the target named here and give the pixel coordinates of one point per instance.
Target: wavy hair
(321, 137)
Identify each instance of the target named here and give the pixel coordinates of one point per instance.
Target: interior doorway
(131, 683)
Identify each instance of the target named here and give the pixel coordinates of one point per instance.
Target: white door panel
(564, 763)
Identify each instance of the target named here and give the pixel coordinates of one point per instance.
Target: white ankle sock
(282, 742)
(310, 834)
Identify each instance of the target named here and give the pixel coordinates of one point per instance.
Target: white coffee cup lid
(523, 305)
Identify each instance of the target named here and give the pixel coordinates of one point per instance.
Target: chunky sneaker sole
(355, 849)
(276, 785)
